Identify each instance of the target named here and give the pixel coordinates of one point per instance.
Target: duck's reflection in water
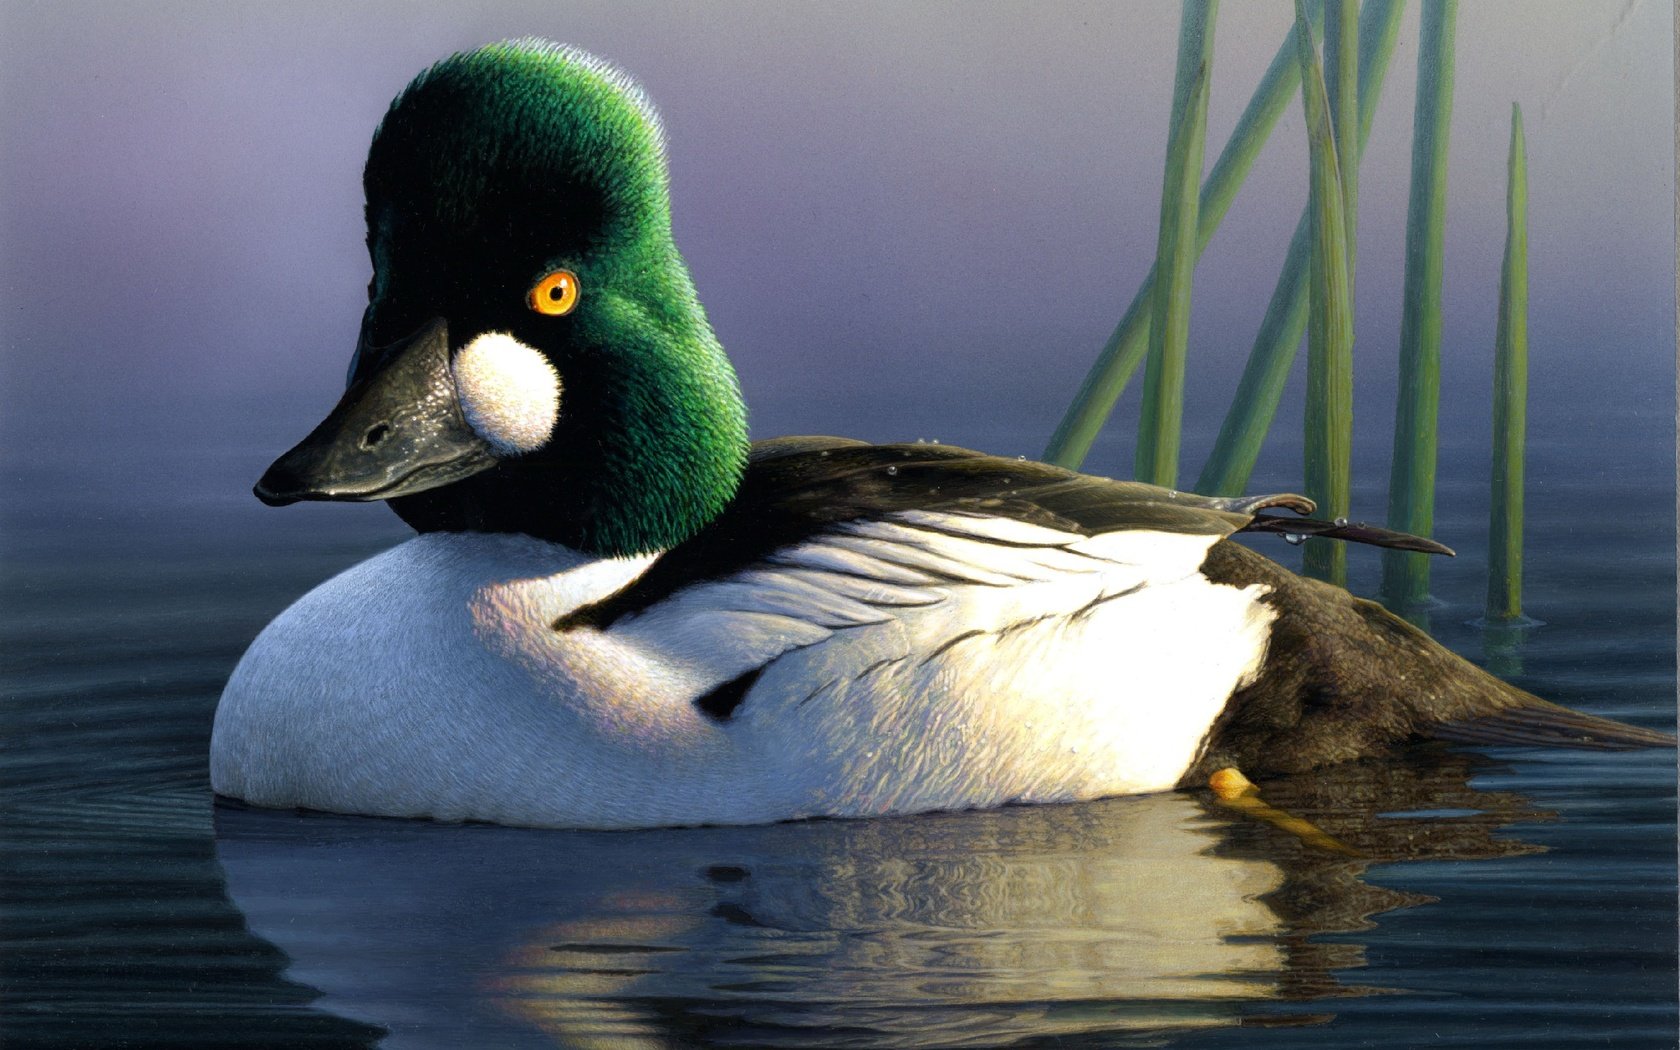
(1119, 919)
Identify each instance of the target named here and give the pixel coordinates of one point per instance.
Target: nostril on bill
(375, 435)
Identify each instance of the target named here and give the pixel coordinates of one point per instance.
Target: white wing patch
(986, 574)
(933, 661)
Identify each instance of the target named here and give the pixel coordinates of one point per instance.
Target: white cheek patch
(509, 392)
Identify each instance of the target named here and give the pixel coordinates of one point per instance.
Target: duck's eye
(555, 294)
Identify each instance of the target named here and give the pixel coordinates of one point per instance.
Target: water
(1508, 898)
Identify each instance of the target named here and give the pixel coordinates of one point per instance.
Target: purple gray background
(906, 220)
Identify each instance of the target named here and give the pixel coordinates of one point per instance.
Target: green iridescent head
(533, 357)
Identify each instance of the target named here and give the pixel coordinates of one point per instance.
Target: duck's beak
(397, 431)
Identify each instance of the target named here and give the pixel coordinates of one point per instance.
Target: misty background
(905, 220)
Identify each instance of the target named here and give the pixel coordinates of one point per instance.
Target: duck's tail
(1457, 701)
(1538, 723)
(1344, 677)
(1507, 716)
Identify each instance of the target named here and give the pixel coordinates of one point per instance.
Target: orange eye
(554, 295)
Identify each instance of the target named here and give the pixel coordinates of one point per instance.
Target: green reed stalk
(1160, 423)
(1261, 388)
(1510, 392)
(1128, 343)
(1329, 416)
(1341, 79)
(1329, 409)
(1411, 489)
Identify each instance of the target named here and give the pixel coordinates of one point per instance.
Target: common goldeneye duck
(620, 613)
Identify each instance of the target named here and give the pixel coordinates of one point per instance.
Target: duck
(620, 612)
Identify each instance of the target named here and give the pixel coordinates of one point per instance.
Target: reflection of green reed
(1329, 409)
(1175, 250)
(1510, 393)
(1411, 489)
(1502, 646)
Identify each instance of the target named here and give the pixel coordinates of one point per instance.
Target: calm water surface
(1514, 897)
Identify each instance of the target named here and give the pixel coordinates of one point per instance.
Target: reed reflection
(1503, 642)
(1126, 919)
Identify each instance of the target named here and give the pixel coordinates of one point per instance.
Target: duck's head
(533, 357)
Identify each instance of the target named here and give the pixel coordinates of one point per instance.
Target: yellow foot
(1235, 791)
(1229, 784)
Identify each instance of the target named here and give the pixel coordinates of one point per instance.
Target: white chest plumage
(919, 663)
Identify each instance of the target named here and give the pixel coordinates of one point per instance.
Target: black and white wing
(801, 493)
(937, 546)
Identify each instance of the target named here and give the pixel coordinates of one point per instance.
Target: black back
(796, 487)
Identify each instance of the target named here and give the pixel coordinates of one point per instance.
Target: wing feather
(826, 536)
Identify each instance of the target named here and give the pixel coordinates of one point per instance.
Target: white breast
(927, 662)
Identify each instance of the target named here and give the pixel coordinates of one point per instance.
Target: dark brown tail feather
(1548, 725)
(1471, 706)
(1344, 678)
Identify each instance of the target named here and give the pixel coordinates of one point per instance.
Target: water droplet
(1172, 494)
(1023, 459)
(921, 441)
(825, 453)
(892, 470)
(1294, 539)
(1006, 481)
(936, 441)
(1341, 522)
(1074, 748)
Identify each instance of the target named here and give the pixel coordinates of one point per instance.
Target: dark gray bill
(396, 432)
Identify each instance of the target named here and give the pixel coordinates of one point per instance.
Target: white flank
(509, 392)
(922, 662)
